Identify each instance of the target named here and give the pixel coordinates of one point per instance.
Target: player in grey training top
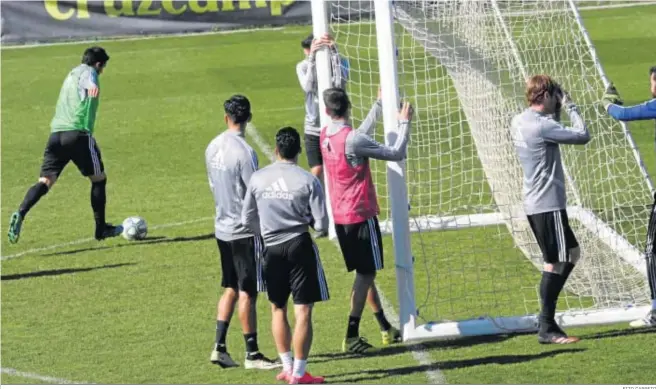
(360, 143)
(281, 201)
(536, 137)
(230, 164)
(537, 134)
(307, 77)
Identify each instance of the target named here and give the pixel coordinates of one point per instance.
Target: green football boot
(15, 224)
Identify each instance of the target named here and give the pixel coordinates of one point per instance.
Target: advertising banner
(57, 20)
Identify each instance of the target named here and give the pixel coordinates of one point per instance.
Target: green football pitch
(116, 312)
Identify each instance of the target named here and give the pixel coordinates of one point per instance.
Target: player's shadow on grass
(618, 333)
(381, 374)
(59, 272)
(402, 349)
(148, 240)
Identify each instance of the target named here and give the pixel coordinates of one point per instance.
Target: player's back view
(282, 200)
(71, 139)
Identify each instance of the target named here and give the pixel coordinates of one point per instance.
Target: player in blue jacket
(645, 111)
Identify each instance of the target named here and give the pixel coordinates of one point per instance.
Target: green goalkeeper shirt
(76, 110)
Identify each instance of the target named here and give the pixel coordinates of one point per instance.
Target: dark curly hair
(94, 55)
(288, 143)
(337, 102)
(238, 109)
(307, 42)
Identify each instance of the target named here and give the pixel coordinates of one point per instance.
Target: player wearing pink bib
(346, 152)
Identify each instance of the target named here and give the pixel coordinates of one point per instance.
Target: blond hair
(538, 86)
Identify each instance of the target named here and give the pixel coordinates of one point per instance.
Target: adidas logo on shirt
(278, 190)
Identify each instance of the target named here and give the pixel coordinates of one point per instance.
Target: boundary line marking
(34, 376)
(86, 240)
(418, 351)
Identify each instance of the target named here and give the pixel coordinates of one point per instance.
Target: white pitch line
(38, 377)
(418, 351)
(260, 142)
(86, 240)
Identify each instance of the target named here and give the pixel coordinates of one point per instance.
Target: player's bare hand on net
(405, 114)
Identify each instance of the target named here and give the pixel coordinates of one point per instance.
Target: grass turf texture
(119, 312)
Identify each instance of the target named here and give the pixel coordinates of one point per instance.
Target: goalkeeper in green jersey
(71, 139)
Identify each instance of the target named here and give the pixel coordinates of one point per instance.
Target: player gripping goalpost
(464, 64)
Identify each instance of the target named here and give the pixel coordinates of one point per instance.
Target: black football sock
(382, 320)
(353, 329)
(98, 201)
(221, 333)
(251, 343)
(32, 196)
(550, 288)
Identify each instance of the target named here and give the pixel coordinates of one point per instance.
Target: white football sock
(287, 361)
(299, 367)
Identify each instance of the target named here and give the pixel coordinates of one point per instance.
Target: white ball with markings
(135, 228)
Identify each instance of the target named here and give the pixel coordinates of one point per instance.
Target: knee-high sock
(98, 201)
(550, 288)
(32, 196)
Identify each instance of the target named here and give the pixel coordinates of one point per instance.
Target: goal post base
(520, 324)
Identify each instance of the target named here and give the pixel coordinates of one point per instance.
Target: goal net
(463, 65)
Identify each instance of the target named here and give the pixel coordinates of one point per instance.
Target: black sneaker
(552, 334)
(108, 231)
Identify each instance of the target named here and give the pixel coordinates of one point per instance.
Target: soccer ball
(134, 228)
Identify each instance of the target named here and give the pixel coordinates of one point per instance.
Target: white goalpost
(466, 261)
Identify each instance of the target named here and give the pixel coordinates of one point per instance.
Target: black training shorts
(554, 235)
(77, 146)
(313, 150)
(361, 245)
(241, 268)
(294, 268)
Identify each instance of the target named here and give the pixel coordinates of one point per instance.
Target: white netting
(463, 64)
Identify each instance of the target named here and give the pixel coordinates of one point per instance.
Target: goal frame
(400, 226)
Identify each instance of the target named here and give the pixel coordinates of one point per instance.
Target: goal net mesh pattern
(463, 65)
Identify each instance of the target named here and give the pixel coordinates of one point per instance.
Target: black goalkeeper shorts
(77, 146)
